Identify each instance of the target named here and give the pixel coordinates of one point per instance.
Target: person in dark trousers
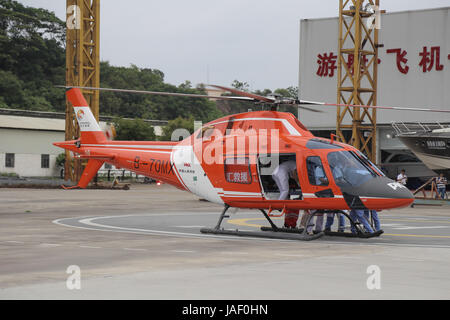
(359, 216)
(330, 221)
(376, 220)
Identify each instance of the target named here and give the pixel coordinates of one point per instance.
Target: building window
(108, 166)
(45, 161)
(9, 160)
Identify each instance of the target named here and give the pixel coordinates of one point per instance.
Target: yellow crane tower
(357, 73)
(82, 67)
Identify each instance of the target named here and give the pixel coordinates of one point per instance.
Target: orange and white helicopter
(230, 161)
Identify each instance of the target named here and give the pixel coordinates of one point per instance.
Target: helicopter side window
(316, 173)
(206, 132)
(237, 170)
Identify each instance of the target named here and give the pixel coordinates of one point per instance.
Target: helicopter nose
(383, 187)
(400, 190)
(378, 189)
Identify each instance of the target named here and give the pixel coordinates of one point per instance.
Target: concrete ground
(145, 243)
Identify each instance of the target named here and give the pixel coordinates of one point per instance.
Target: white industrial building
(26, 145)
(404, 79)
(26, 142)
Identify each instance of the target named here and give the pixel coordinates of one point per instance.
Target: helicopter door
(269, 188)
(241, 179)
(318, 184)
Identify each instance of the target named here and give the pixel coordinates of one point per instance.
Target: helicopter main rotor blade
(174, 94)
(243, 93)
(263, 99)
(305, 102)
(296, 105)
(249, 98)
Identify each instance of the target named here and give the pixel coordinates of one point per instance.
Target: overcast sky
(256, 41)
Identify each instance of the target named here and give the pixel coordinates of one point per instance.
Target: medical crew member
(281, 177)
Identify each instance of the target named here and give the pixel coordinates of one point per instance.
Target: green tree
(60, 159)
(264, 92)
(185, 85)
(134, 129)
(151, 106)
(290, 92)
(243, 86)
(32, 57)
(11, 90)
(178, 123)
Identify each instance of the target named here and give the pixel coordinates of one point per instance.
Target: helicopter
(230, 161)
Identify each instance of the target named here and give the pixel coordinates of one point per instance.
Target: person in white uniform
(402, 177)
(281, 177)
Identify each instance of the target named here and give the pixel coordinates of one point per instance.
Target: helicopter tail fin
(89, 127)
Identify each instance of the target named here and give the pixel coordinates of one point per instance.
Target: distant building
(26, 141)
(413, 71)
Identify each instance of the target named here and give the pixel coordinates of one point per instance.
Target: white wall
(28, 146)
(29, 165)
(30, 141)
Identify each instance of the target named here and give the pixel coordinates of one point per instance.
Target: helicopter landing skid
(285, 230)
(362, 235)
(276, 233)
(357, 226)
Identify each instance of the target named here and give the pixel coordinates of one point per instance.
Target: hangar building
(413, 71)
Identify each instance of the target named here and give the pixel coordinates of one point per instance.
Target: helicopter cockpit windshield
(349, 170)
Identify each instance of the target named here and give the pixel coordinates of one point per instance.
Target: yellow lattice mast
(82, 66)
(357, 73)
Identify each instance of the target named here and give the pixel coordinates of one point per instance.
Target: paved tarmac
(145, 243)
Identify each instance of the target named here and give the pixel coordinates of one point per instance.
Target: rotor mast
(82, 67)
(357, 73)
